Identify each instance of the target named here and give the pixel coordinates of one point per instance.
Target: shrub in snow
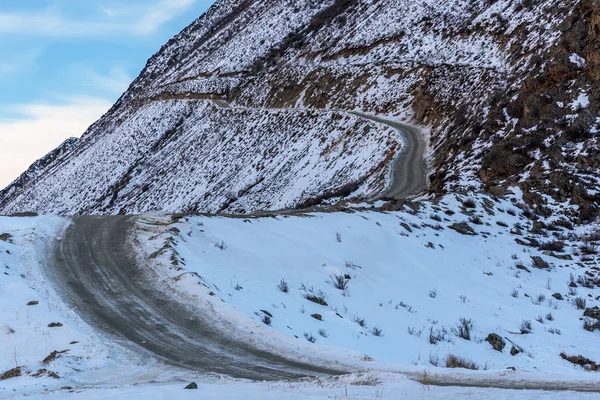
(377, 332)
(221, 245)
(283, 286)
(469, 203)
(525, 327)
(340, 281)
(460, 362)
(463, 328)
(438, 335)
(554, 245)
(317, 297)
(310, 337)
(360, 321)
(580, 303)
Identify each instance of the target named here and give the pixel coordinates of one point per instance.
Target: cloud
(159, 14)
(141, 20)
(116, 81)
(37, 129)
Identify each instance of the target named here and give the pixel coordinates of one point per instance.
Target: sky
(63, 63)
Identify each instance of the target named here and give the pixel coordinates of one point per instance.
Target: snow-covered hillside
(497, 85)
(397, 288)
(43, 342)
(385, 293)
(193, 155)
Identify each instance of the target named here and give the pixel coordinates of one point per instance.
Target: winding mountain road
(96, 271)
(409, 169)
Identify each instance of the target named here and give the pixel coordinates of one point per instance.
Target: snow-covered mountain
(506, 90)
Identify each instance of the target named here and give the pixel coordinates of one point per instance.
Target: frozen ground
(409, 275)
(366, 387)
(410, 280)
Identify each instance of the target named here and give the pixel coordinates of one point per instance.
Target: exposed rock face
(496, 341)
(509, 92)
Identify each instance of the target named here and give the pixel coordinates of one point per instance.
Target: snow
(355, 387)
(419, 277)
(577, 60)
(197, 156)
(582, 101)
(408, 271)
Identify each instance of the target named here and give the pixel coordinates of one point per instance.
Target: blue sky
(63, 63)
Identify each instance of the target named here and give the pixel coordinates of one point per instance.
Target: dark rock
(566, 257)
(593, 312)
(512, 368)
(267, 313)
(318, 317)
(557, 296)
(406, 226)
(33, 303)
(538, 228)
(11, 373)
(522, 267)
(55, 325)
(5, 237)
(463, 228)
(524, 242)
(514, 351)
(573, 284)
(192, 385)
(538, 262)
(496, 341)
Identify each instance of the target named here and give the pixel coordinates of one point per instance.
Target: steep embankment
(508, 90)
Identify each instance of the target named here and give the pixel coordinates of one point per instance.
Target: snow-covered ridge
(195, 156)
(483, 78)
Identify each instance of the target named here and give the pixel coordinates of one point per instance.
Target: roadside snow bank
(44, 343)
(411, 283)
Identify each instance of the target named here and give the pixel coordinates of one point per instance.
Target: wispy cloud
(115, 81)
(159, 14)
(141, 20)
(38, 128)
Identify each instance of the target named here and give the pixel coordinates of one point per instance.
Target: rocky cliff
(505, 90)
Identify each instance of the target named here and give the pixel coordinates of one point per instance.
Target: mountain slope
(507, 90)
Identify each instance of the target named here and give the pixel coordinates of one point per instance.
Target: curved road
(96, 271)
(409, 173)
(409, 169)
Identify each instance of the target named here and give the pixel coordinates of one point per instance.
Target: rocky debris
(514, 351)
(463, 228)
(539, 262)
(192, 386)
(566, 257)
(496, 341)
(5, 237)
(33, 303)
(55, 325)
(53, 356)
(11, 373)
(593, 312)
(582, 361)
(558, 296)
